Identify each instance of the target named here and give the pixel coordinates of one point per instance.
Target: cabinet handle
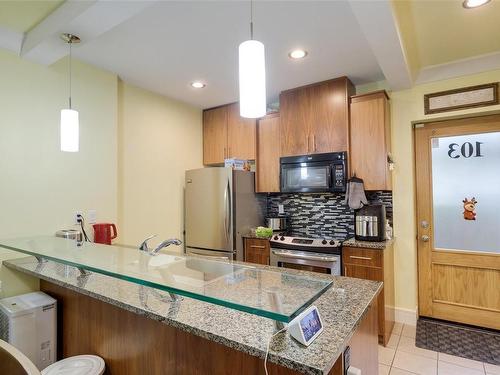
(314, 143)
(224, 153)
(258, 246)
(357, 257)
(308, 143)
(229, 153)
(345, 271)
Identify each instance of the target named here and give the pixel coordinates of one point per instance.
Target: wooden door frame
(425, 307)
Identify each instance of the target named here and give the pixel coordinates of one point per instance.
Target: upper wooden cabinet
(214, 135)
(268, 154)
(315, 118)
(371, 140)
(240, 134)
(227, 135)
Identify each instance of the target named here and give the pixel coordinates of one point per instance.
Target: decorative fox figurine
(469, 207)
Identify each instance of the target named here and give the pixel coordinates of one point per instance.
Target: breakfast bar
(133, 325)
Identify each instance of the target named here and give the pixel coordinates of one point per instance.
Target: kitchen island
(139, 330)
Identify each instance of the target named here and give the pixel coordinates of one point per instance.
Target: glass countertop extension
(233, 285)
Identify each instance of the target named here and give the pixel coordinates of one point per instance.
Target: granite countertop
(254, 237)
(368, 244)
(342, 307)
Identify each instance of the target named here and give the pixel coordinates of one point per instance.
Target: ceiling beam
(379, 26)
(11, 40)
(87, 19)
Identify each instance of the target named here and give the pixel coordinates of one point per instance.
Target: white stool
(77, 365)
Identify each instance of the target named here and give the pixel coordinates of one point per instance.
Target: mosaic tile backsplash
(322, 215)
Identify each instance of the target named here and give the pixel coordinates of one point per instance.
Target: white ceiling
(169, 44)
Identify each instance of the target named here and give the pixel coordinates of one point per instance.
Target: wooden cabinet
(371, 140)
(315, 118)
(268, 154)
(257, 250)
(378, 265)
(227, 135)
(214, 135)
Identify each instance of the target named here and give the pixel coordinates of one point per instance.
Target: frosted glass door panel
(466, 192)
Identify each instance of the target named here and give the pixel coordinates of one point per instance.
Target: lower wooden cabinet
(257, 250)
(377, 265)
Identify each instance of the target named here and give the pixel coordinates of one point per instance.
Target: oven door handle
(306, 257)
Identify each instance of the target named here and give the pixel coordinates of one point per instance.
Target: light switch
(92, 216)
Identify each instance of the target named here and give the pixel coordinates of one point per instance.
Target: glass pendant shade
(252, 75)
(70, 132)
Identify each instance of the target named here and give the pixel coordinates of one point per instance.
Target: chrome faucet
(171, 241)
(144, 245)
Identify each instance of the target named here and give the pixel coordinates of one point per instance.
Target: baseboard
(406, 316)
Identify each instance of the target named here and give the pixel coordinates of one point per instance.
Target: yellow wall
(159, 138)
(40, 186)
(408, 106)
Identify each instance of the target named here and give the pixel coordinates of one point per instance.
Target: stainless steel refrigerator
(220, 207)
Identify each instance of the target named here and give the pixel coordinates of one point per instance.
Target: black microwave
(319, 173)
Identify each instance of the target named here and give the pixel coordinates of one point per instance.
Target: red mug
(102, 233)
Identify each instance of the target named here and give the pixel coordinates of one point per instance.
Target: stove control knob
(275, 238)
(324, 242)
(282, 238)
(332, 242)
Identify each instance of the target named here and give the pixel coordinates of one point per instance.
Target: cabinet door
(295, 122)
(370, 140)
(240, 134)
(214, 135)
(363, 272)
(330, 116)
(257, 251)
(268, 155)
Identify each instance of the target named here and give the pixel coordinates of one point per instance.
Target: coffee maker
(370, 223)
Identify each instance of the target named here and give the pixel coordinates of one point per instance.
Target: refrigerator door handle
(226, 214)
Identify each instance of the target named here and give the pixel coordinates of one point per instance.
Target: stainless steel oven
(316, 255)
(318, 173)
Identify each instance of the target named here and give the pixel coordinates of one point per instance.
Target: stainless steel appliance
(370, 223)
(309, 254)
(318, 173)
(277, 224)
(220, 207)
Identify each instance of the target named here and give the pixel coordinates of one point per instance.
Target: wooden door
(330, 116)
(268, 155)
(370, 140)
(214, 135)
(240, 134)
(295, 122)
(458, 205)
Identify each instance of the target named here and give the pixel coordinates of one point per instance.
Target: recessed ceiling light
(468, 4)
(197, 85)
(299, 53)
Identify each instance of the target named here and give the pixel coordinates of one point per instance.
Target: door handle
(425, 238)
(358, 257)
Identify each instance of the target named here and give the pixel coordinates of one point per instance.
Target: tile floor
(402, 357)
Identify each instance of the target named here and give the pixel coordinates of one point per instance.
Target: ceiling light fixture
(469, 4)
(70, 127)
(252, 76)
(297, 54)
(197, 85)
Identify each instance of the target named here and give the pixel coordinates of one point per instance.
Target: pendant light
(70, 128)
(252, 75)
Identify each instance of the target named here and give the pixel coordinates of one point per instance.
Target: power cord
(269, 343)
(81, 221)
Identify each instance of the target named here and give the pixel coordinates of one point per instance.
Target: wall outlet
(281, 209)
(75, 218)
(92, 216)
